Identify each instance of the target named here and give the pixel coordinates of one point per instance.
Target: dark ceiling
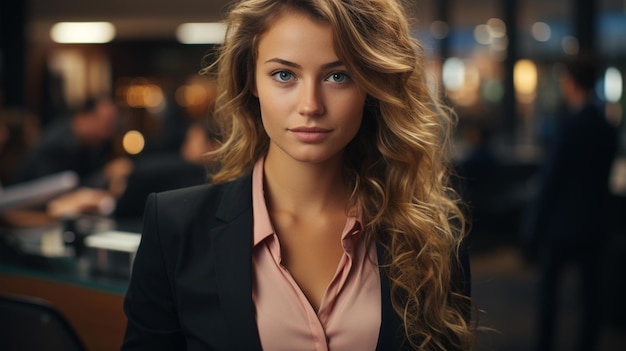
(133, 19)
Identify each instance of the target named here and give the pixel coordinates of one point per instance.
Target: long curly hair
(397, 165)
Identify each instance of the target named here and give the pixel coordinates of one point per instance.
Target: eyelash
(276, 74)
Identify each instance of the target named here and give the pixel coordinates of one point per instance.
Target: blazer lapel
(233, 251)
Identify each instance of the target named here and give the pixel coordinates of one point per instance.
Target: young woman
(329, 225)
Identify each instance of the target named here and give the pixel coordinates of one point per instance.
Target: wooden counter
(93, 308)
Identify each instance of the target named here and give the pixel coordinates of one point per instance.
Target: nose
(310, 100)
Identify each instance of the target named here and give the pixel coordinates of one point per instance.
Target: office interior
(495, 62)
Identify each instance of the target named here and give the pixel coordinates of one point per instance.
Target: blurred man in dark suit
(82, 143)
(568, 222)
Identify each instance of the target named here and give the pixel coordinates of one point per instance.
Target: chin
(316, 158)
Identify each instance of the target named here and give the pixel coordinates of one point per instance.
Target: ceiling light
(82, 32)
(201, 33)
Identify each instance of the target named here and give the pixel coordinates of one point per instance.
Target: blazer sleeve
(150, 299)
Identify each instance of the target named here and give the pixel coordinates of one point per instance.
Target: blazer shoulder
(222, 199)
(188, 195)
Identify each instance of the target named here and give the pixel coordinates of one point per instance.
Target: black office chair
(29, 324)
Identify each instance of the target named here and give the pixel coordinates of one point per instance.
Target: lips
(310, 134)
(310, 130)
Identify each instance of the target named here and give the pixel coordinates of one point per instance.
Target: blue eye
(338, 77)
(283, 76)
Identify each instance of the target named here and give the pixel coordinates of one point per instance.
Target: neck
(300, 187)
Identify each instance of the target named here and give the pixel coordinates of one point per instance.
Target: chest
(311, 253)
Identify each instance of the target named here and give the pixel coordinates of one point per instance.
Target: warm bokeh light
(496, 27)
(192, 94)
(525, 80)
(153, 96)
(82, 32)
(133, 142)
(140, 93)
(201, 33)
(197, 95)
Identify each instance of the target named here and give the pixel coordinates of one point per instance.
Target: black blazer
(191, 285)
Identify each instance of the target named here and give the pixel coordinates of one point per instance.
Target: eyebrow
(295, 65)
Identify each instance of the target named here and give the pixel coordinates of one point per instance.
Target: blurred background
(69, 240)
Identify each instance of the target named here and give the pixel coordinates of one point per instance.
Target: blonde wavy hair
(397, 164)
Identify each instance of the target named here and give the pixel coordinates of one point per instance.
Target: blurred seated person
(19, 131)
(151, 173)
(82, 143)
(16, 131)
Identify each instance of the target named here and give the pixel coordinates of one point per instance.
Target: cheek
(353, 110)
(271, 113)
(268, 109)
(274, 105)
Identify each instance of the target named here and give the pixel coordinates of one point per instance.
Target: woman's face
(310, 107)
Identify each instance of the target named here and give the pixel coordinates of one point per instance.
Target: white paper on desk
(37, 191)
(114, 240)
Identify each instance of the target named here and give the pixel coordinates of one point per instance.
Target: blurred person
(19, 131)
(150, 173)
(200, 139)
(330, 223)
(82, 143)
(568, 219)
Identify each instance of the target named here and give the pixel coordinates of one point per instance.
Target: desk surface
(67, 271)
(85, 270)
